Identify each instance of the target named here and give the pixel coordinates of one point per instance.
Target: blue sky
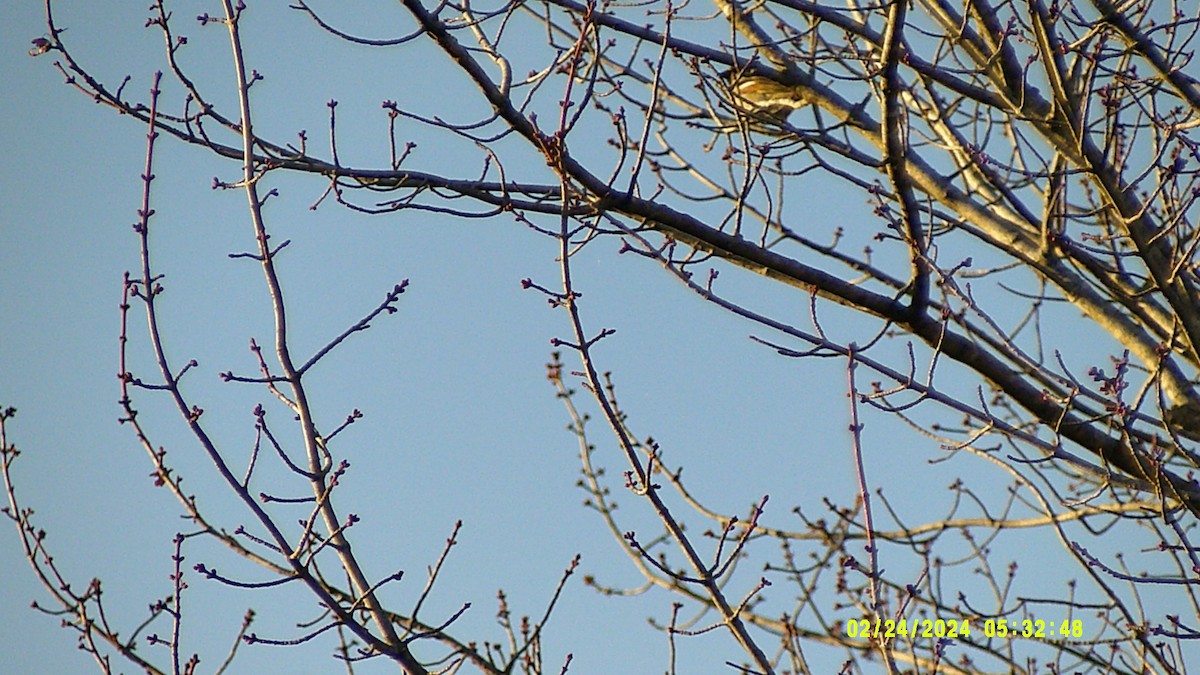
(460, 421)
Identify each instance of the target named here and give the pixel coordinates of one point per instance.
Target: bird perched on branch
(759, 95)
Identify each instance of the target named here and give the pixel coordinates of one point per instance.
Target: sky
(460, 422)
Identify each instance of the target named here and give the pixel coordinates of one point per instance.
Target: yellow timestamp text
(1005, 629)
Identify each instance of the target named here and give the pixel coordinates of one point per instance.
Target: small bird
(759, 95)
